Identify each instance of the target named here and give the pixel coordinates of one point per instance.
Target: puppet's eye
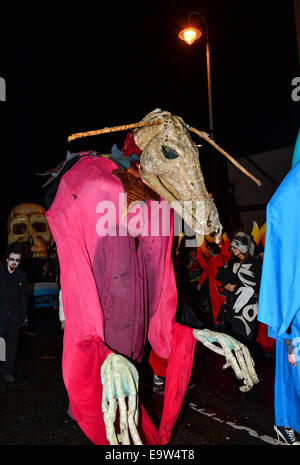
(39, 226)
(19, 228)
(169, 153)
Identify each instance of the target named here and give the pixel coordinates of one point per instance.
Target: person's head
(213, 248)
(14, 256)
(240, 247)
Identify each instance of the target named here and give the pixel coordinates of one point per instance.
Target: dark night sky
(75, 68)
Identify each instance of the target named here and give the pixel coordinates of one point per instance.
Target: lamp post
(219, 182)
(189, 35)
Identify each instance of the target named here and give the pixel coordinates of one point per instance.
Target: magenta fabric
(116, 291)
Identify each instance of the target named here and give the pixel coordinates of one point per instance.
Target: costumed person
(13, 307)
(279, 299)
(241, 291)
(118, 289)
(114, 231)
(210, 265)
(236, 297)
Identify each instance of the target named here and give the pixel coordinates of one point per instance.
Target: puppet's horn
(78, 135)
(210, 141)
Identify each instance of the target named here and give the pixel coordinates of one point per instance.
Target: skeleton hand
(237, 355)
(120, 380)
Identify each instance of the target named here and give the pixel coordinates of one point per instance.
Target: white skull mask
(27, 223)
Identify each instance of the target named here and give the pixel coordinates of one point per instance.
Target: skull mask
(169, 164)
(27, 223)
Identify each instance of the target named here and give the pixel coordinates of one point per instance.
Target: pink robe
(115, 295)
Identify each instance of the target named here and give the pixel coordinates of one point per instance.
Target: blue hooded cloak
(279, 297)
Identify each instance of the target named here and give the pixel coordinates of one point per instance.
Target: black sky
(74, 68)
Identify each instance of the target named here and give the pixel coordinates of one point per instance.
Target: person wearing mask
(13, 307)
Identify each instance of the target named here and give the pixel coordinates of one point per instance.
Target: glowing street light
(189, 35)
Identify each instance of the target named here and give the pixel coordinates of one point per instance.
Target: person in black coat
(13, 307)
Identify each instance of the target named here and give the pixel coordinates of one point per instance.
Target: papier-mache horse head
(170, 166)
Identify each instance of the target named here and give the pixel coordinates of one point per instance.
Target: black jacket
(13, 296)
(248, 272)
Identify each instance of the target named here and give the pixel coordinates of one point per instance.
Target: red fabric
(194, 265)
(91, 294)
(82, 381)
(158, 364)
(129, 146)
(267, 343)
(180, 364)
(210, 269)
(225, 251)
(85, 392)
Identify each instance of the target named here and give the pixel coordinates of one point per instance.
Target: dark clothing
(13, 312)
(13, 295)
(241, 305)
(241, 318)
(10, 333)
(248, 272)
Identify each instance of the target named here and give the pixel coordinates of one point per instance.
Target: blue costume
(279, 298)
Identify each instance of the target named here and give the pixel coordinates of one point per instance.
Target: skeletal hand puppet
(117, 279)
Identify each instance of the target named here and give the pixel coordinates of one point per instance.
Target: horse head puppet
(117, 294)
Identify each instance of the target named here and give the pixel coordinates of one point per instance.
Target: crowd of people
(223, 280)
(218, 286)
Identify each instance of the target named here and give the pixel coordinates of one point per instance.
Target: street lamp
(189, 35)
(218, 183)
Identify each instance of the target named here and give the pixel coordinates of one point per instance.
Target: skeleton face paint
(13, 261)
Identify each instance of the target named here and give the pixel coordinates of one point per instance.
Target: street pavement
(33, 410)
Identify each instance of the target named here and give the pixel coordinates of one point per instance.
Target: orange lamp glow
(189, 35)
